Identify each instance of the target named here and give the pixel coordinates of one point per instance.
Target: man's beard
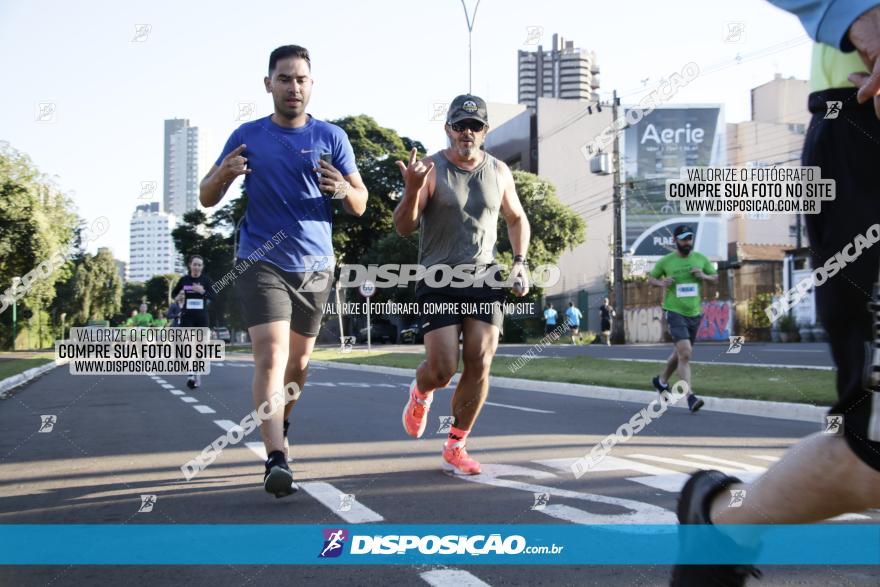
(684, 249)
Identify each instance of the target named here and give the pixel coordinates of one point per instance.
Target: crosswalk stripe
(176, 392)
(765, 458)
(189, 400)
(204, 409)
(258, 449)
(688, 464)
(743, 466)
(609, 463)
(451, 578)
(329, 496)
(673, 482)
(167, 386)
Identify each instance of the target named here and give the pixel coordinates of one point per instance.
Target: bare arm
(213, 187)
(419, 181)
(665, 282)
(518, 229)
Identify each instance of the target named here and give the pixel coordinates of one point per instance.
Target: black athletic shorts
(682, 327)
(847, 151)
(267, 293)
(445, 306)
(193, 320)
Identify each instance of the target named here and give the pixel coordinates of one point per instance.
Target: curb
(743, 407)
(14, 381)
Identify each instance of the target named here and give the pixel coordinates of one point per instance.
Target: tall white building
(564, 71)
(181, 183)
(151, 248)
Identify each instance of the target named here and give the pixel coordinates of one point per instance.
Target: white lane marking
(637, 512)
(160, 381)
(218, 365)
(204, 410)
(329, 496)
(519, 408)
(167, 386)
(689, 464)
(743, 466)
(176, 392)
(258, 449)
(321, 384)
(609, 463)
(189, 400)
(227, 425)
(673, 482)
(765, 458)
(451, 578)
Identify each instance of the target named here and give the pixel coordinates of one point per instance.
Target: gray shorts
(682, 327)
(267, 293)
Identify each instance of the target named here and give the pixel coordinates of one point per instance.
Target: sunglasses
(461, 126)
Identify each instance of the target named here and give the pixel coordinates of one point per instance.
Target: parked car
(412, 335)
(381, 331)
(221, 333)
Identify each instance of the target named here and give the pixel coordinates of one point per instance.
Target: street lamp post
(15, 282)
(470, 25)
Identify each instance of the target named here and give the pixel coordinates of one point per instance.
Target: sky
(113, 81)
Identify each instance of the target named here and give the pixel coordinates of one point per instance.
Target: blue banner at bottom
(171, 544)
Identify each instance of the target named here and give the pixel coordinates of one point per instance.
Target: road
(117, 438)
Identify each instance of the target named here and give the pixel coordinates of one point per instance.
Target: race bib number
(686, 290)
(195, 304)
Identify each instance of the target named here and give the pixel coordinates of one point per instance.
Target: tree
(554, 227)
(157, 290)
(96, 287)
(376, 149)
(37, 225)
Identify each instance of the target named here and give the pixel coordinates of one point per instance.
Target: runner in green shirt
(682, 273)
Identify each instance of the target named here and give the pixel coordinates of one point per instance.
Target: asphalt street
(117, 438)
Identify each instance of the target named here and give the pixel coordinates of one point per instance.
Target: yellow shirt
(830, 67)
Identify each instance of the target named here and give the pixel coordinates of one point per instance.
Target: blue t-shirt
(574, 316)
(283, 192)
(550, 316)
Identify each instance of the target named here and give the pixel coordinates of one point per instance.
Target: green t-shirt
(141, 320)
(684, 295)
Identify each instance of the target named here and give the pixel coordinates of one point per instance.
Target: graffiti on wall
(716, 323)
(648, 324)
(644, 324)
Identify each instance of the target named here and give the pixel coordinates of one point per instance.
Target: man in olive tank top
(453, 198)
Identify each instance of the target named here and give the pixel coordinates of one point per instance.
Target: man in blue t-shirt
(295, 167)
(549, 318)
(573, 316)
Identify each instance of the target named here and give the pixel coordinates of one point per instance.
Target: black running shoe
(694, 403)
(693, 508)
(191, 383)
(661, 389)
(278, 479)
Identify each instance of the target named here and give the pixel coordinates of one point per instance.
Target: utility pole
(470, 25)
(617, 334)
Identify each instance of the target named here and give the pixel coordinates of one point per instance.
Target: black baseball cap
(467, 106)
(683, 231)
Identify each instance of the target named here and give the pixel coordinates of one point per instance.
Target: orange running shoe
(457, 461)
(415, 413)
